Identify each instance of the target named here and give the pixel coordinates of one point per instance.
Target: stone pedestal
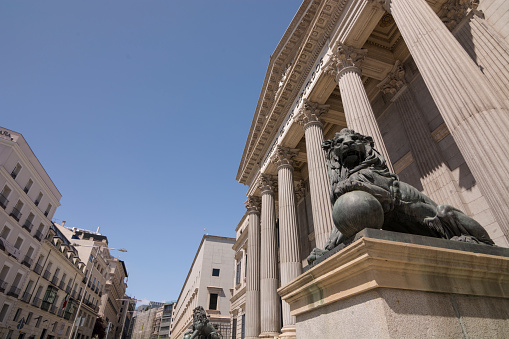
(392, 285)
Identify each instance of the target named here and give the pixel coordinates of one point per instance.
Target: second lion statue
(364, 194)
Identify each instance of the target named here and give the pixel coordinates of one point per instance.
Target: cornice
(317, 18)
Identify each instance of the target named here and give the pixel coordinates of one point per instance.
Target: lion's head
(199, 315)
(349, 152)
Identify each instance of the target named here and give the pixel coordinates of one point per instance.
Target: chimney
(98, 228)
(63, 223)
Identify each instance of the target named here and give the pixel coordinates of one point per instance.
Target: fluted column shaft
(475, 116)
(358, 112)
(269, 299)
(290, 265)
(253, 269)
(435, 175)
(319, 184)
(345, 64)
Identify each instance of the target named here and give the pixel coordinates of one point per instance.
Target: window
(5, 232)
(213, 301)
(243, 327)
(18, 243)
(29, 317)
(4, 195)
(234, 328)
(49, 298)
(38, 321)
(245, 265)
(38, 200)
(48, 209)
(215, 272)
(17, 314)
(237, 279)
(16, 171)
(3, 312)
(28, 185)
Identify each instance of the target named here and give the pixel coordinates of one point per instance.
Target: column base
(289, 332)
(269, 335)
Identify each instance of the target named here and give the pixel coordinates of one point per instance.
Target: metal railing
(62, 284)
(38, 268)
(46, 275)
(16, 214)
(53, 309)
(14, 291)
(54, 281)
(26, 297)
(3, 285)
(28, 225)
(14, 174)
(37, 202)
(27, 261)
(68, 288)
(36, 302)
(3, 201)
(38, 235)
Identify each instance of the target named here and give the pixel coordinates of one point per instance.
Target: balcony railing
(84, 280)
(38, 235)
(28, 225)
(54, 281)
(3, 285)
(68, 288)
(73, 294)
(3, 201)
(37, 202)
(14, 291)
(62, 284)
(53, 309)
(38, 268)
(16, 214)
(46, 213)
(14, 174)
(36, 302)
(27, 261)
(46, 275)
(26, 297)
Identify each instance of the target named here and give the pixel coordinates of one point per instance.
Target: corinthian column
(309, 117)
(436, 178)
(269, 299)
(345, 65)
(253, 269)
(473, 113)
(290, 265)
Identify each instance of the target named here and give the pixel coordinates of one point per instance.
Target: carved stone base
(409, 286)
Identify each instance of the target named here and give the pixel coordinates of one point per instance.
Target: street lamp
(88, 280)
(125, 315)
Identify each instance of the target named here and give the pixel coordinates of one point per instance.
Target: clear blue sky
(139, 112)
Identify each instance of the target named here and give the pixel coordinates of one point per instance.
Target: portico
(406, 73)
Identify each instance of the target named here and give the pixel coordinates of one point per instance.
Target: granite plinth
(393, 285)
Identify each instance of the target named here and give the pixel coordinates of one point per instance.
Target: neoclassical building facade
(428, 80)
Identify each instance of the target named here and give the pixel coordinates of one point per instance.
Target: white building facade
(426, 79)
(208, 284)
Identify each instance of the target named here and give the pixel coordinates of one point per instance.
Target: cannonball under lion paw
(355, 211)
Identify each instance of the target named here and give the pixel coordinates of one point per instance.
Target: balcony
(38, 268)
(28, 225)
(84, 280)
(3, 285)
(61, 285)
(38, 235)
(14, 291)
(46, 213)
(46, 275)
(3, 201)
(54, 281)
(68, 288)
(73, 294)
(26, 297)
(27, 261)
(14, 174)
(37, 202)
(16, 214)
(36, 302)
(53, 309)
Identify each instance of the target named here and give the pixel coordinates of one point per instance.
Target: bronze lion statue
(201, 326)
(364, 194)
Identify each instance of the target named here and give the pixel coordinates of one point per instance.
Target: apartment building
(208, 284)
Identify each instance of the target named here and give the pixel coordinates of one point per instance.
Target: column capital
(309, 114)
(453, 11)
(267, 184)
(394, 81)
(253, 204)
(284, 157)
(344, 58)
